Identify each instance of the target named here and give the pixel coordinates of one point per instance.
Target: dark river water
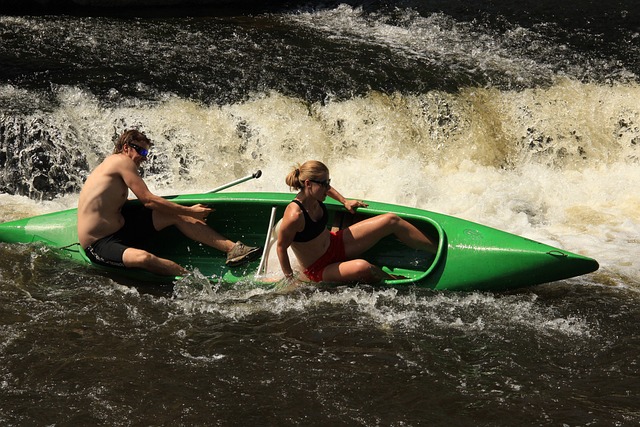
(522, 117)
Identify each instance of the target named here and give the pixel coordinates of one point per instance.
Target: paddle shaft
(267, 246)
(256, 175)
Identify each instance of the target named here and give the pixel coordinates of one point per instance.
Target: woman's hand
(289, 283)
(352, 205)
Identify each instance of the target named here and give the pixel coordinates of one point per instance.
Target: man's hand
(200, 211)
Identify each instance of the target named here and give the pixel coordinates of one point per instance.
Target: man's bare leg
(137, 258)
(193, 229)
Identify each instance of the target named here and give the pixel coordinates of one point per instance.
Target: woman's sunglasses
(142, 151)
(325, 183)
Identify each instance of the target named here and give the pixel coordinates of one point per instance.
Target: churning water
(524, 118)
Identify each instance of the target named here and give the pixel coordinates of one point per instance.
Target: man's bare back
(101, 199)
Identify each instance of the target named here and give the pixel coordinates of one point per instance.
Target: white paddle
(256, 175)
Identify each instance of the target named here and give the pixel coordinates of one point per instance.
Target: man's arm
(132, 179)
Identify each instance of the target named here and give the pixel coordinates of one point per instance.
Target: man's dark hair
(133, 136)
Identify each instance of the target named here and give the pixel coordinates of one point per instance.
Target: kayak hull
(470, 256)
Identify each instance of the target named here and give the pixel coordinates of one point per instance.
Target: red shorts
(335, 253)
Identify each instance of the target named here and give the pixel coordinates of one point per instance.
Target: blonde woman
(327, 256)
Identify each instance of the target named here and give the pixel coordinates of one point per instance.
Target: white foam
(556, 165)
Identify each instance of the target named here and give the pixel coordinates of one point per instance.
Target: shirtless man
(113, 234)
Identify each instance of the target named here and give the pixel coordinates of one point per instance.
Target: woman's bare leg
(363, 235)
(357, 270)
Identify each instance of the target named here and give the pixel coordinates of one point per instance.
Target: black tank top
(311, 229)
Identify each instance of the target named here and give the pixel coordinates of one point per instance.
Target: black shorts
(136, 233)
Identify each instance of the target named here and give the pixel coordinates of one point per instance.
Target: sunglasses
(325, 183)
(142, 151)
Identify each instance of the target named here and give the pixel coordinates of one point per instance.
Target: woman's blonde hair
(311, 169)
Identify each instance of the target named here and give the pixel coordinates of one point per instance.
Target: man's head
(132, 138)
(133, 143)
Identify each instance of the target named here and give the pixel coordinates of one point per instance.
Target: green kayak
(470, 256)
